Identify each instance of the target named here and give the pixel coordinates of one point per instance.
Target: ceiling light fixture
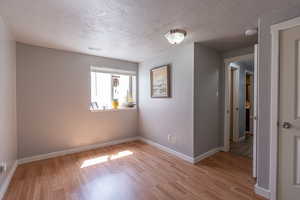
(175, 36)
(251, 32)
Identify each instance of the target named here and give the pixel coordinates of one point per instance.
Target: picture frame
(160, 82)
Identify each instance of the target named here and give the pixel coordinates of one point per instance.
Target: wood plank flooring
(133, 171)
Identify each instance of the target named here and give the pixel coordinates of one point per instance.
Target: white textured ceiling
(132, 29)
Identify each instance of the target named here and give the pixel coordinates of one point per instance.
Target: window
(108, 85)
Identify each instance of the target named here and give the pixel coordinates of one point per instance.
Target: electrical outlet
(172, 139)
(169, 138)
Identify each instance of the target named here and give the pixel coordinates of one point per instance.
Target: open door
(255, 108)
(234, 110)
(231, 104)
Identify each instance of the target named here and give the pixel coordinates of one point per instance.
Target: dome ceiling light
(251, 32)
(175, 36)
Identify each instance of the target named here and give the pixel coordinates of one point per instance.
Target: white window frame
(114, 71)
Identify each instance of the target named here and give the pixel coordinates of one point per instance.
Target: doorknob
(286, 125)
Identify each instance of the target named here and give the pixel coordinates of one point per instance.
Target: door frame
(235, 78)
(273, 170)
(255, 109)
(227, 97)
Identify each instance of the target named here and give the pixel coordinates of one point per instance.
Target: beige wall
(8, 133)
(53, 95)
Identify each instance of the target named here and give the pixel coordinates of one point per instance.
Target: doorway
(241, 106)
(245, 146)
(249, 102)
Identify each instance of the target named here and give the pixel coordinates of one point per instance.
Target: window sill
(114, 110)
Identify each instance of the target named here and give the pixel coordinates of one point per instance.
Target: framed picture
(160, 82)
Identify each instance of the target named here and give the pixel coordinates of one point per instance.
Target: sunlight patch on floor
(121, 154)
(101, 159)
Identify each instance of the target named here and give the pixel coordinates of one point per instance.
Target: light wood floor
(139, 172)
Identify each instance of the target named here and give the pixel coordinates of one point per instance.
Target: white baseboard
(190, 159)
(95, 146)
(4, 186)
(74, 150)
(207, 154)
(262, 192)
(169, 150)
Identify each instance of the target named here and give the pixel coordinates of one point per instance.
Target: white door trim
(255, 108)
(275, 29)
(236, 101)
(227, 96)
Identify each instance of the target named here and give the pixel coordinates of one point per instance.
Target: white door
(289, 115)
(235, 102)
(231, 114)
(255, 109)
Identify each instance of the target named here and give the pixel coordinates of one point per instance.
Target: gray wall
(263, 155)
(160, 117)
(8, 125)
(207, 124)
(53, 96)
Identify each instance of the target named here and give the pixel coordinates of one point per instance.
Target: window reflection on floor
(121, 154)
(105, 158)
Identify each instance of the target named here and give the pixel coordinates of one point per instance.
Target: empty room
(149, 100)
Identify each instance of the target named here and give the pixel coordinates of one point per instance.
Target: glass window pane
(134, 89)
(101, 89)
(105, 87)
(93, 86)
